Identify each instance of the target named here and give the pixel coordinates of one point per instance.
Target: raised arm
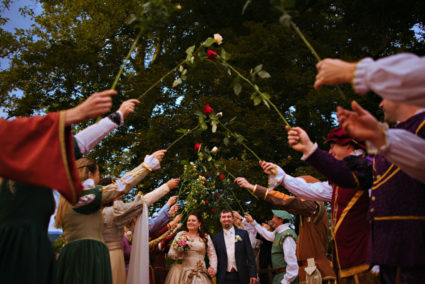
(132, 178)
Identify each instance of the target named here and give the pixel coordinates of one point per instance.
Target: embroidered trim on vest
(350, 204)
(64, 156)
(379, 182)
(384, 218)
(353, 270)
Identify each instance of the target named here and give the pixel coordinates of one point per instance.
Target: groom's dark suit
(245, 263)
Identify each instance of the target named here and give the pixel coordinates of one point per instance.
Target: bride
(192, 269)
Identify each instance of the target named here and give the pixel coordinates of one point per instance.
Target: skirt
(84, 262)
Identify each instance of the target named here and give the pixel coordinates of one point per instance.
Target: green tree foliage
(76, 48)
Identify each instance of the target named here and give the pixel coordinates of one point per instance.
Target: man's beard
(227, 226)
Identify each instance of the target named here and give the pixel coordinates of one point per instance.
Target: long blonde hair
(84, 167)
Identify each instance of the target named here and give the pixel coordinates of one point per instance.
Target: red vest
(350, 230)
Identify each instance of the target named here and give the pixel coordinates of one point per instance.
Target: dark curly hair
(201, 230)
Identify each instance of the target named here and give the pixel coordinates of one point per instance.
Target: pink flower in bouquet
(221, 176)
(197, 146)
(207, 109)
(211, 54)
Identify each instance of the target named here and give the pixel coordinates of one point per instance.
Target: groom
(236, 264)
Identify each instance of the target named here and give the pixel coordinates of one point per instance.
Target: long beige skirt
(117, 263)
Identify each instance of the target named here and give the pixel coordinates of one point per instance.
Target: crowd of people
(375, 185)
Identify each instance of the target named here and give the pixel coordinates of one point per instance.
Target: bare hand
(211, 271)
(175, 220)
(236, 215)
(127, 107)
(179, 225)
(172, 200)
(173, 210)
(173, 183)
(95, 105)
(242, 182)
(334, 72)
(295, 136)
(269, 168)
(248, 218)
(159, 155)
(360, 124)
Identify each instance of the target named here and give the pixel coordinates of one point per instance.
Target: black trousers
(232, 278)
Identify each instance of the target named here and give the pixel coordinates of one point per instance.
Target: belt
(279, 270)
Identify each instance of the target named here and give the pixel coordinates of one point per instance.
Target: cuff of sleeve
(359, 81)
(307, 155)
(372, 150)
(152, 162)
(121, 117)
(275, 180)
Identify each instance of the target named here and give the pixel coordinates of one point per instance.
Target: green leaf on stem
(177, 82)
(258, 68)
(190, 50)
(285, 20)
(208, 42)
(213, 126)
(237, 88)
(226, 141)
(257, 101)
(224, 55)
(264, 74)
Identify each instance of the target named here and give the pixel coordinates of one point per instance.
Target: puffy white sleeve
(264, 232)
(291, 273)
(318, 191)
(398, 77)
(212, 255)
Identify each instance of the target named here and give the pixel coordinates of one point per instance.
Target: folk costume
(349, 202)
(284, 260)
(312, 240)
(114, 219)
(85, 258)
(40, 146)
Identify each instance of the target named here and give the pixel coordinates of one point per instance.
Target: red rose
(206, 201)
(197, 146)
(217, 194)
(212, 210)
(221, 176)
(211, 54)
(207, 109)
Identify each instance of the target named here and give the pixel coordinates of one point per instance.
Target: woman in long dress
(85, 258)
(192, 269)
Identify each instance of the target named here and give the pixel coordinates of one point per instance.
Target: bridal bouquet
(181, 244)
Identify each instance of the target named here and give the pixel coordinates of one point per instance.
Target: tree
(76, 48)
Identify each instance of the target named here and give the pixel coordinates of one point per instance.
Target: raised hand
(172, 200)
(268, 168)
(95, 105)
(242, 182)
(295, 136)
(334, 72)
(173, 183)
(127, 107)
(173, 210)
(248, 218)
(360, 124)
(159, 155)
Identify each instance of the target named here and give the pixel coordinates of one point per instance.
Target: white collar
(231, 230)
(282, 228)
(88, 183)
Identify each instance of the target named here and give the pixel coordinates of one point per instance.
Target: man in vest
(348, 196)
(284, 259)
(313, 241)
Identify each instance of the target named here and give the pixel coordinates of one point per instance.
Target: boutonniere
(238, 239)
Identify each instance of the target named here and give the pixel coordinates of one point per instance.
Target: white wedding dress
(192, 270)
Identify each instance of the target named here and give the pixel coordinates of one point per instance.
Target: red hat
(340, 137)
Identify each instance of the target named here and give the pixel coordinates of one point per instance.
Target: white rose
(220, 114)
(218, 39)
(214, 150)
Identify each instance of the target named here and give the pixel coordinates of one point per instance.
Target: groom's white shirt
(229, 240)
